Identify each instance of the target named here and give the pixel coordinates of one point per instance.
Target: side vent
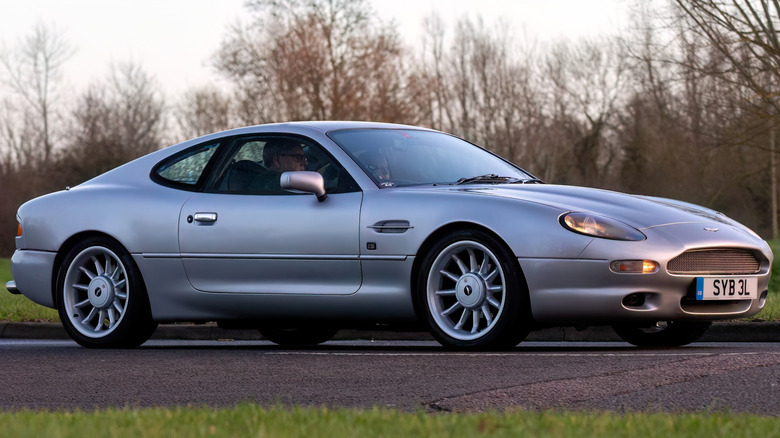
(391, 226)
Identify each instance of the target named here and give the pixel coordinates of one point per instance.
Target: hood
(637, 211)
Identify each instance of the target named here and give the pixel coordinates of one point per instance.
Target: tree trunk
(773, 180)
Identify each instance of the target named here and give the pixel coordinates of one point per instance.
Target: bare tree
(113, 122)
(321, 59)
(737, 28)
(480, 87)
(588, 80)
(427, 86)
(139, 108)
(745, 34)
(244, 59)
(202, 111)
(33, 72)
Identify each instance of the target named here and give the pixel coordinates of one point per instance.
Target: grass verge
(19, 308)
(252, 420)
(771, 312)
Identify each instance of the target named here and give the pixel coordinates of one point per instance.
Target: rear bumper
(11, 286)
(32, 275)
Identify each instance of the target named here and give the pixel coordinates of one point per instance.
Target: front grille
(715, 261)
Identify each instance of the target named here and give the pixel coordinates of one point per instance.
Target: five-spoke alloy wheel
(473, 293)
(101, 298)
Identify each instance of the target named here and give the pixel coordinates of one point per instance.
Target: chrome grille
(715, 261)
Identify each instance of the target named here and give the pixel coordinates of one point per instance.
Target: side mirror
(305, 181)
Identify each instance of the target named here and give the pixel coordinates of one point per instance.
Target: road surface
(407, 375)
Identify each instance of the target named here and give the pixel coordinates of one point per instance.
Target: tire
(472, 294)
(101, 297)
(663, 333)
(298, 337)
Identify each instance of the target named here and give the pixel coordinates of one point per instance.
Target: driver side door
(255, 242)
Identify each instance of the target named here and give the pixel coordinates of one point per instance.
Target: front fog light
(634, 266)
(634, 300)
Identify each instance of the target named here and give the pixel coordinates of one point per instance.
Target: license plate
(726, 288)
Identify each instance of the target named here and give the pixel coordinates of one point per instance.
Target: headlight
(600, 226)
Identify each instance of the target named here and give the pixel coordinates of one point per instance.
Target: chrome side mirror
(305, 181)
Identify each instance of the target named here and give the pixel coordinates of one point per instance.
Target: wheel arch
(65, 248)
(438, 234)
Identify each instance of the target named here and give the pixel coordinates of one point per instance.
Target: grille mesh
(715, 261)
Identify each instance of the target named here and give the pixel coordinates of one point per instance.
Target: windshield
(399, 157)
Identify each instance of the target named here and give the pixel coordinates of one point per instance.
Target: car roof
(332, 125)
(327, 126)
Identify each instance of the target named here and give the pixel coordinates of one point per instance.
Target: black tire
(482, 300)
(298, 337)
(98, 308)
(663, 333)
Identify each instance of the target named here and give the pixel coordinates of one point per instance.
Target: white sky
(173, 40)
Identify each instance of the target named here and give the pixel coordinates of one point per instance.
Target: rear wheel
(101, 298)
(300, 336)
(472, 294)
(663, 333)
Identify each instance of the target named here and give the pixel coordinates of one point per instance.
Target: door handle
(204, 217)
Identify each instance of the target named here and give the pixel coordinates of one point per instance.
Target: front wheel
(663, 333)
(472, 293)
(101, 298)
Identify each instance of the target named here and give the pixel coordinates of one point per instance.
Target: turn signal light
(19, 229)
(634, 266)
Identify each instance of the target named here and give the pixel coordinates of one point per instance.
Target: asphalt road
(408, 375)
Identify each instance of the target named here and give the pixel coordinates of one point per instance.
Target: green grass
(19, 308)
(254, 421)
(771, 312)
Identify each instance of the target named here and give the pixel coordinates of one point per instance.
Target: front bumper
(584, 291)
(575, 292)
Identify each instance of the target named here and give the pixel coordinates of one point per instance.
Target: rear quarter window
(186, 168)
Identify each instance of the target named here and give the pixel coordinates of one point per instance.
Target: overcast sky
(174, 39)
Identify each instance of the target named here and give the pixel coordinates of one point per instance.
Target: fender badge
(712, 230)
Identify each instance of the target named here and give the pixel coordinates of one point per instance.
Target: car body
(456, 239)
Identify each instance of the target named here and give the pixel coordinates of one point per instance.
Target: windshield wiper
(486, 178)
(531, 180)
(492, 178)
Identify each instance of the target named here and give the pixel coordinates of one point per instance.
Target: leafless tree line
(682, 105)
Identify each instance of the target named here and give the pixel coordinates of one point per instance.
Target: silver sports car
(299, 229)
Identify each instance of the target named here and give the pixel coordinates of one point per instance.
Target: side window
(257, 164)
(186, 168)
